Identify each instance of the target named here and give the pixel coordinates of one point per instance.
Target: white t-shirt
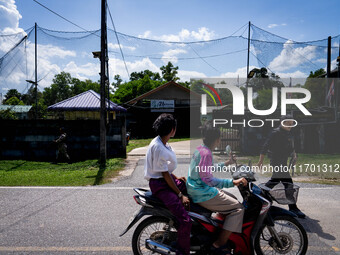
(159, 158)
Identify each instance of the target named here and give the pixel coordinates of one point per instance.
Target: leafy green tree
(169, 72)
(77, 86)
(317, 88)
(59, 90)
(41, 110)
(117, 82)
(12, 93)
(140, 75)
(8, 115)
(14, 101)
(29, 97)
(317, 73)
(132, 89)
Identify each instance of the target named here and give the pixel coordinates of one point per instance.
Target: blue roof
(16, 108)
(86, 101)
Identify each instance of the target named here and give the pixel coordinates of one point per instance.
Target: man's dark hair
(209, 133)
(286, 117)
(164, 124)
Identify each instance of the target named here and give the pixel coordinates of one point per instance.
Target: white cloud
(82, 72)
(272, 25)
(186, 75)
(171, 55)
(276, 25)
(9, 25)
(49, 51)
(117, 66)
(240, 72)
(115, 46)
(9, 17)
(321, 60)
(291, 57)
(202, 34)
(296, 74)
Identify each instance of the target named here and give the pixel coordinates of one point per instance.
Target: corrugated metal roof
(86, 101)
(16, 108)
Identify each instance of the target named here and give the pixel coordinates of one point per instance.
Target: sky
(175, 20)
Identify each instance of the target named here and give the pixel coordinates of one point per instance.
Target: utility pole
(248, 52)
(329, 48)
(36, 73)
(103, 79)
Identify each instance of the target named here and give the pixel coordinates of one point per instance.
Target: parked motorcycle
(266, 229)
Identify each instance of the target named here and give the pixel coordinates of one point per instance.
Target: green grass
(31, 173)
(136, 143)
(311, 165)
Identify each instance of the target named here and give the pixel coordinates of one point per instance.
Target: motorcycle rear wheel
(291, 233)
(151, 228)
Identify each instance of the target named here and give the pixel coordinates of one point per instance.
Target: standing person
(206, 190)
(159, 165)
(280, 146)
(62, 147)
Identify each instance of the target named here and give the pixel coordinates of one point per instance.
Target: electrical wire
(120, 48)
(204, 59)
(60, 16)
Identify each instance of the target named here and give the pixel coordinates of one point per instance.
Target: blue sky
(188, 20)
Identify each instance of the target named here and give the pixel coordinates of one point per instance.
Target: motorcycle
(266, 229)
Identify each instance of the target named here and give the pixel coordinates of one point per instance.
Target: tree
(317, 73)
(12, 93)
(317, 88)
(132, 89)
(140, 75)
(14, 101)
(117, 81)
(59, 90)
(8, 115)
(29, 97)
(41, 110)
(169, 72)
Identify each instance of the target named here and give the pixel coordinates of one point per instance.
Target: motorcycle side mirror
(249, 163)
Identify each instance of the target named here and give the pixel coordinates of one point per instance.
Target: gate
(232, 137)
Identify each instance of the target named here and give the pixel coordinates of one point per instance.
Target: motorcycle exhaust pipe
(157, 247)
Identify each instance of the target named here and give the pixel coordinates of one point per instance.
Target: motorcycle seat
(193, 207)
(152, 199)
(196, 208)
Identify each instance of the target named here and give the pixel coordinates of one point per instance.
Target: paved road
(88, 220)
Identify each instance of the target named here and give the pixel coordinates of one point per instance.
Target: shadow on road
(313, 226)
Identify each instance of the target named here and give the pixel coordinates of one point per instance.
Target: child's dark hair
(164, 124)
(209, 133)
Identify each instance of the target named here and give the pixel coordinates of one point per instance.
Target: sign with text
(162, 105)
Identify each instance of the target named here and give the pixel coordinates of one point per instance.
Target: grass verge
(136, 143)
(31, 173)
(317, 168)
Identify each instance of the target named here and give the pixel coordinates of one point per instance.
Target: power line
(120, 48)
(150, 56)
(261, 61)
(204, 59)
(60, 16)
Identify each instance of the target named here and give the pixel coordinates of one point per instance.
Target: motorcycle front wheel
(156, 229)
(291, 233)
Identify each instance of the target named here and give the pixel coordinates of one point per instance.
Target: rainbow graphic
(211, 95)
